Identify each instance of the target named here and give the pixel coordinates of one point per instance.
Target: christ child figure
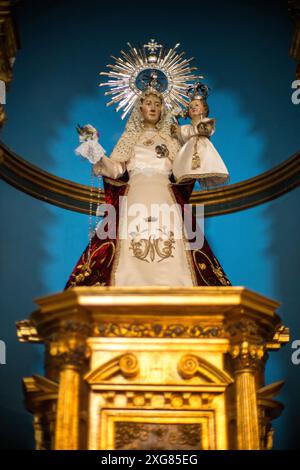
(198, 158)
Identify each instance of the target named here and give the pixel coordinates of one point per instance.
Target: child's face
(196, 108)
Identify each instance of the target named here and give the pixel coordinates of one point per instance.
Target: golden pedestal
(154, 368)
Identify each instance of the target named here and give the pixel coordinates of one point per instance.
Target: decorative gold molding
(232, 307)
(26, 332)
(294, 10)
(268, 409)
(9, 45)
(40, 388)
(74, 196)
(159, 329)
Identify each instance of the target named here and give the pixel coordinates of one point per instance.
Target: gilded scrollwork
(159, 330)
(129, 365)
(188, 366)
(191, 365)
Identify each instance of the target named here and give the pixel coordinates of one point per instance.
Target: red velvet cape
(96, 270)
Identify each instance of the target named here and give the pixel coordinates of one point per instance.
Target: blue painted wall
(242, 49)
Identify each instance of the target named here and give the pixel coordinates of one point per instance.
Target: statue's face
(196, 108)
(151, 109)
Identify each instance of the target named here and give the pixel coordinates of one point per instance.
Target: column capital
(68, 345)
(247, 356)
(248, 341)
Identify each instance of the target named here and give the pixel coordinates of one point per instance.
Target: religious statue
(149, 177)
(198, 157)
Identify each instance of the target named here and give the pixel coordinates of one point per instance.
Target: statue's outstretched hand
(89, 147)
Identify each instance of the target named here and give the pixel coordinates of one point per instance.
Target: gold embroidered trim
(114, 182)
(217, 270)
(113, 253)
(144, 247)
(195, 162)
(118, 248)
(87, 265)
(202, 175)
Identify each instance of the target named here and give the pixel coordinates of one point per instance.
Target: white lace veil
(123, 150)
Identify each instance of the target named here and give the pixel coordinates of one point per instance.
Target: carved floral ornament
(157, 329)
(237, 331)
(247, 355)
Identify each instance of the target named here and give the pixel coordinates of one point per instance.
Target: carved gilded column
(247, 351)
(70, 348)
(246, 358)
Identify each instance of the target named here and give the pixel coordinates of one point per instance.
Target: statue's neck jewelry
(148, 142)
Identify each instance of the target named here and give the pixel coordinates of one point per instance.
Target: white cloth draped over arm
(91, 150)
(109, 168)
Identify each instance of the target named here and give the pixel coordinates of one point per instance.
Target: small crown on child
(198, 91)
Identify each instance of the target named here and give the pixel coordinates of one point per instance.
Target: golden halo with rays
(131, 73)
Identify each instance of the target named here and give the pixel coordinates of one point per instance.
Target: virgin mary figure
(157, 247)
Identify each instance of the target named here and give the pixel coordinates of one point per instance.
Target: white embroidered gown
(211, 171)
(148, 253)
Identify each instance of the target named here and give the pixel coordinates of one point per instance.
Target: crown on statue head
(151, 67)
(152, 86)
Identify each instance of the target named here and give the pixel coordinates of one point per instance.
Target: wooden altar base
(153, 368)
